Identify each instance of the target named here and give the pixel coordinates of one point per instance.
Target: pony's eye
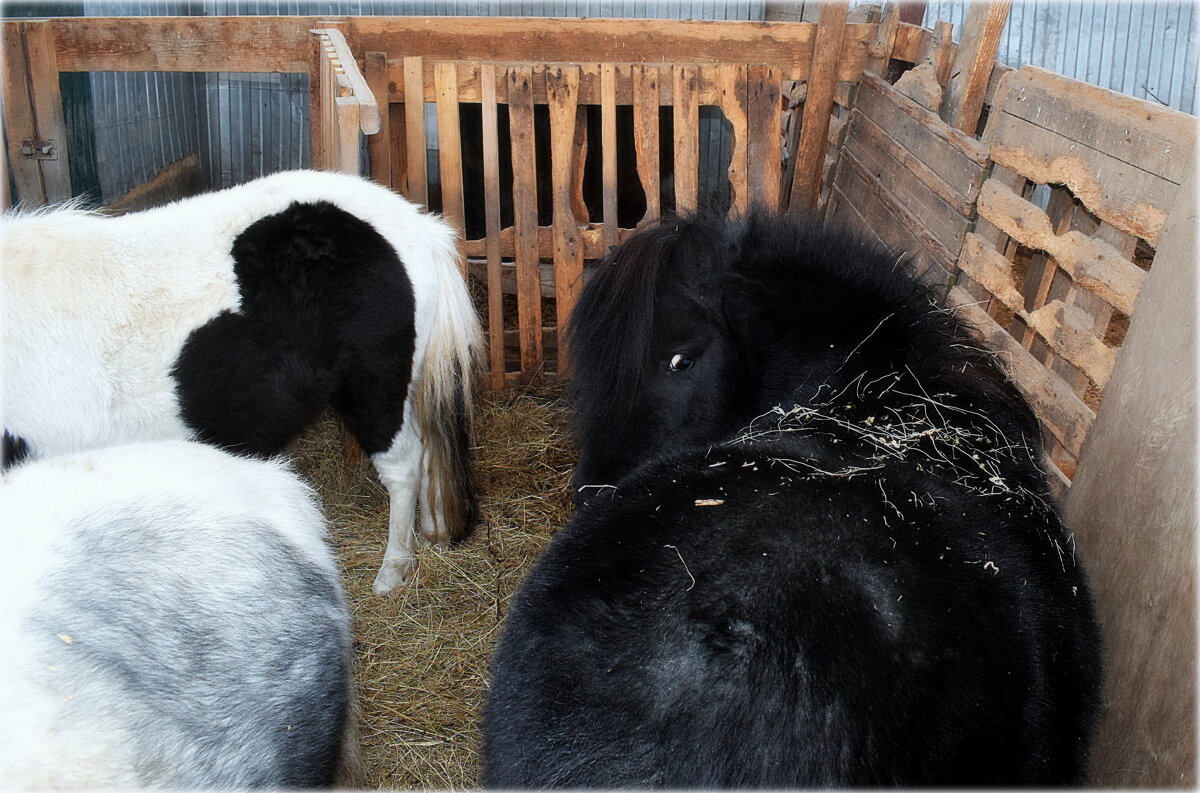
(681, 361)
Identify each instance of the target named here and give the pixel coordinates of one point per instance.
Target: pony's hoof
(394, 573)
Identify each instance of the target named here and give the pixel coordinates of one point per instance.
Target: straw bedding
(422, 653)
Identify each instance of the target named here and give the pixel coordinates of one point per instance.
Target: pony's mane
(610, 327)
(76, 207)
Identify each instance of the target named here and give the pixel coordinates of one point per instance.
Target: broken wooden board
(1122, 157)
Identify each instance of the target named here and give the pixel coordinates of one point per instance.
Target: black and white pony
(815, 546)
(234, 318)
(172, 618)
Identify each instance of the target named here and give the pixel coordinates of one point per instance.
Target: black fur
(799, 600)
(309, 333)
(14, 451)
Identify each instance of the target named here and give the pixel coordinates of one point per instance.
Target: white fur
(66, 722)
(96, 310)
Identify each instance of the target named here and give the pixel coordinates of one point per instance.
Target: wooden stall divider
(491, 198)
(414, 129)
(686, 117)
(810, 151)
(608, 148)
(562, 89)
(644, 79)
(525, 215)
(972, 69)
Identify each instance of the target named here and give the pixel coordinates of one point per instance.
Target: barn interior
(1057, 216)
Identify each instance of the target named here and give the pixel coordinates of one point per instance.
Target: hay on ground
(422, 653)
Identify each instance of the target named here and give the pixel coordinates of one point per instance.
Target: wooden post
(47, 108)
(973, 65)
(379, 146)
(810, 153)
(880, 53)
(1132, 508)
(18, 117)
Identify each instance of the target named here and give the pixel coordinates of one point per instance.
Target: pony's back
(172, 618)
(722, 620)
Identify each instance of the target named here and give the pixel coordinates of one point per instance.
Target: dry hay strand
(421, 653)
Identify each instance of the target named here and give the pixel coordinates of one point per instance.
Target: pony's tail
(443, 403)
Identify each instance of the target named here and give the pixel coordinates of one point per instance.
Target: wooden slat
(1093, 264)
(18, 118)
(1147, 136)
(449, 146)
(397, 131)
(686, 112)
(1061, 411)
(900, 212)
(963, 202)
(562, 86)
(491, 198)
(608, 148)
(414, 128)
(579, 154)
(732, 80)
(810, 154)
(348, 114)
(940, 219)
(379, 146)
(645, 79)
(525, 212)
(880, 52)
(764, 149)
(47, 108)
(319, 98)
(1068, 329)
(938, 51)
(978, 46)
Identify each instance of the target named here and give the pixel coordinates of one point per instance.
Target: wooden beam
(19, 120)
(47, 108)
(972, 68)
(810, 154)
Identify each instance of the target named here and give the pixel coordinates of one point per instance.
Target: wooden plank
(880, 53)
(449, 146)
(732, 79)
(1093, 264)
(525, 213)
(962, 202)
(954, 156)
(379, 146)
(579, 206)
(645, 80)
(806, 186)
(940, 218)
(938, 51)
(1133, 510)
(184, 44)
(491, 202)
(1061, 411)
(349, 121)
(608, 150)
(1122, 195)
(18, 118)
(47, 108)
(318, 102)
(398, 158)
(978, 46)
(686, 115)
(900, 212)
(1147, 136)
(414, 128)
(764, 151)
(562, 86)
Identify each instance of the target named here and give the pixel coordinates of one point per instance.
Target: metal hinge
(40, 149)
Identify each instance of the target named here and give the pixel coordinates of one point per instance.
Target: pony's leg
(400, 470)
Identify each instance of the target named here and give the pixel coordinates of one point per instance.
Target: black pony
(814, 545)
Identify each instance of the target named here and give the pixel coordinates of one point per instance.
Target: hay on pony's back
(421, 653)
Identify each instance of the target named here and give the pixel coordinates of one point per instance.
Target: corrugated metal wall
(1144, 49)
(246, 125)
